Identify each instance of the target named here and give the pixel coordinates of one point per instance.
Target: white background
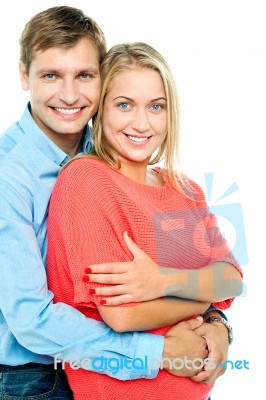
(216, 50)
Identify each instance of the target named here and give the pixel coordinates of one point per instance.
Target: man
(61, 50)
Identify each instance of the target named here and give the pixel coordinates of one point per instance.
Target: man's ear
(23, 76)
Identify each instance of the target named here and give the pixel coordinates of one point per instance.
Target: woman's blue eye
(156, 107)
(123, 105)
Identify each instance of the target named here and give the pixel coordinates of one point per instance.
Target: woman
(99, 197)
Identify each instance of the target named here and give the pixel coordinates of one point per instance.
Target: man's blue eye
(50, 76)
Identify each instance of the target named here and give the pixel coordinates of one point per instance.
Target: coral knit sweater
(91, 206)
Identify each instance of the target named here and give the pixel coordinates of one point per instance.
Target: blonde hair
(60, 26)
(129, 56)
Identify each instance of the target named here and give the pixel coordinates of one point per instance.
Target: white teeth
(67, 111)
(138, 139)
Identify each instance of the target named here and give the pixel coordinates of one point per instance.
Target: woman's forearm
(150, 314)
(215, 282)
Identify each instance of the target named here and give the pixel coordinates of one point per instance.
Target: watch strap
(225, 323)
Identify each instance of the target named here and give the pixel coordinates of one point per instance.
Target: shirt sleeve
(27, 305)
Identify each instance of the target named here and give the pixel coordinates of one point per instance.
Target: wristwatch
(225, 323)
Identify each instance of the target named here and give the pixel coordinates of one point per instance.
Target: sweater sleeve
(214, 243)
(83, 229)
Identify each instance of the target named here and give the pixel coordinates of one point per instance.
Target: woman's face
(135, 114)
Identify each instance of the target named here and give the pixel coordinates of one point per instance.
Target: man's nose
(68, 92)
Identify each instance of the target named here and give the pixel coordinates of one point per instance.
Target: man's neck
(70, 144)
(72, 151)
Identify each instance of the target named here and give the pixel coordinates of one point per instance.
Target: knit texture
(91, 206)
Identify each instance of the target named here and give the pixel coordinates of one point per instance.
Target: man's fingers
(202, 330)
(191, 324)
(194, 323)
(208, 377)
(204, 376)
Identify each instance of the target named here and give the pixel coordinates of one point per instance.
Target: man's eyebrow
(48, 71)
(60, 71)
(90, 68)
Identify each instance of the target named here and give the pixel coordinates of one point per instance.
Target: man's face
(64, 85)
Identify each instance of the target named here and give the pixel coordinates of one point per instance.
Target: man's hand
(182, 342)
(216, 336)
(134, 281)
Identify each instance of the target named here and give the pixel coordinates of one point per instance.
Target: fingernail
(92, 291)
(85, 278)
(87, 270)
(102, 302)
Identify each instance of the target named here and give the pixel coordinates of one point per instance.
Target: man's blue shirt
(32, 328)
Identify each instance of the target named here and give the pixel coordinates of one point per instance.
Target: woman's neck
(141, 174)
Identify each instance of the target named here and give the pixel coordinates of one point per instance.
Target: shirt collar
(46, 145)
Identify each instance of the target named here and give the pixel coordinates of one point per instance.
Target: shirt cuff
(148, 356)
(215, 309)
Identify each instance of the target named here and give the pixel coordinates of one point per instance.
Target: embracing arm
(39, 326)
(150, 314)
(208, 272)
(142, 279)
